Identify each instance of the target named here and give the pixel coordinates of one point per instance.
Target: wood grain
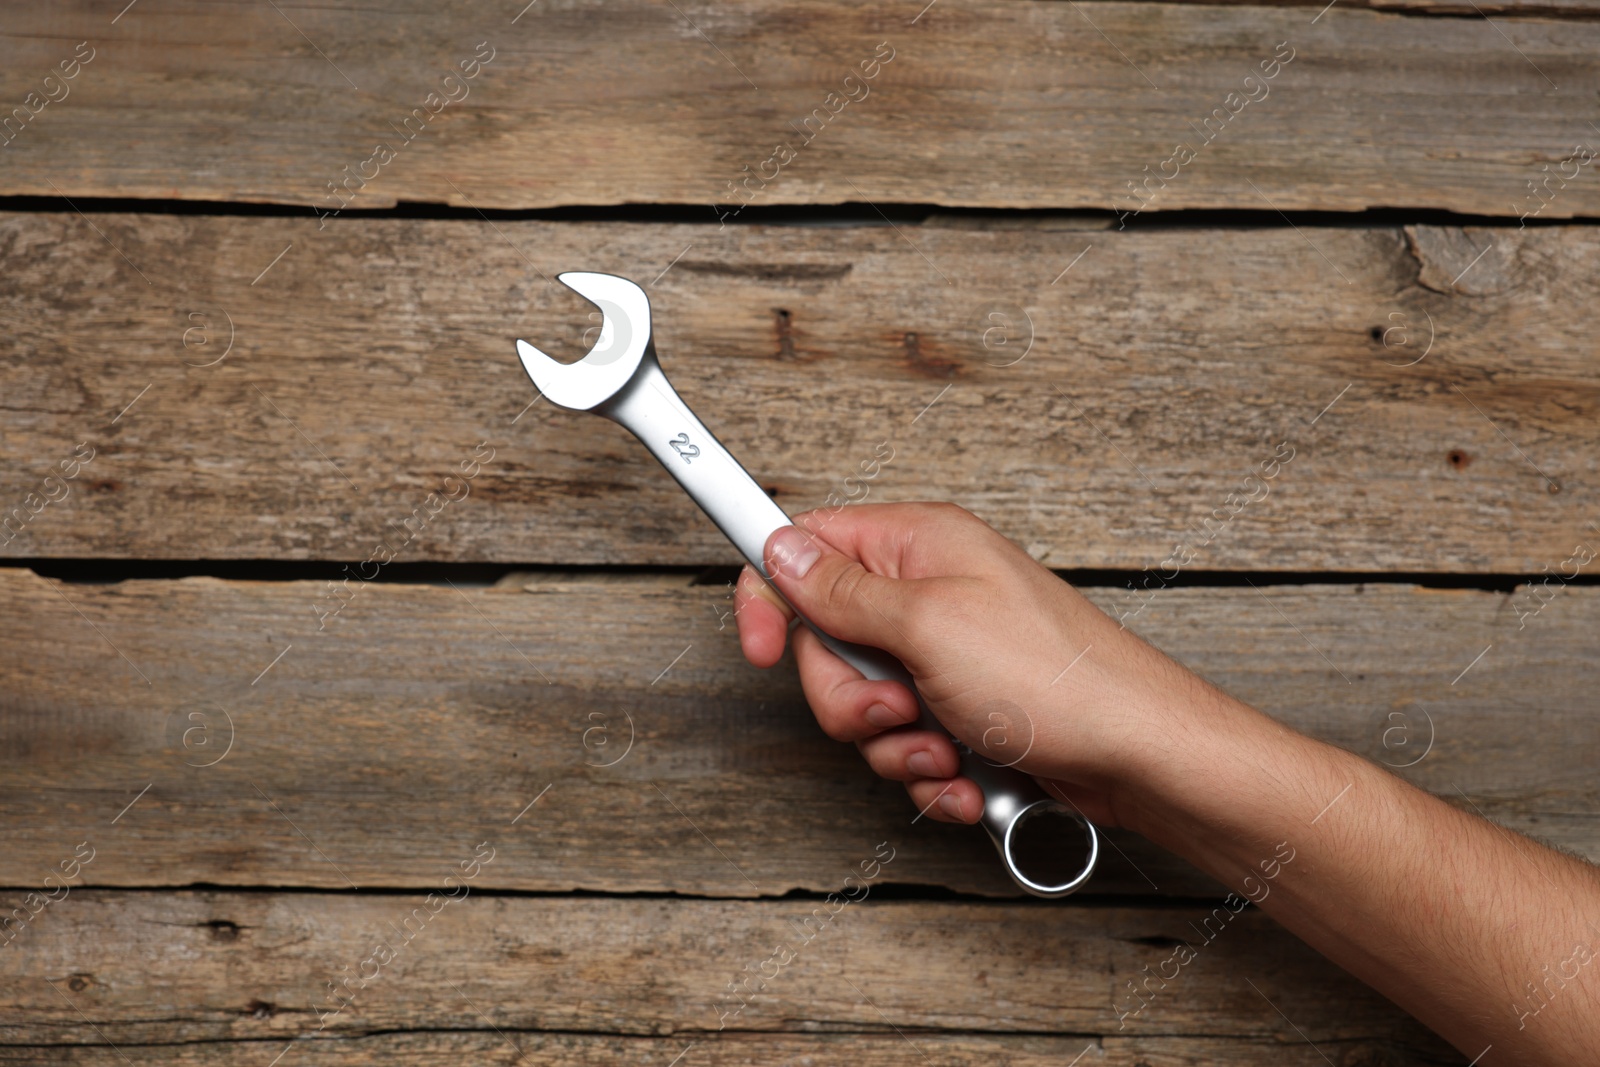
(991, 104)
(207, 731)
(738, 1049)
(1095, 394)
(1555, 9)
(220, 967)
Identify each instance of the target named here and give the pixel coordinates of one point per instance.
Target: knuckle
(880, 758)
(842, 594)
(945, 511)
(826, 707)
(834, 725)
(955, 511)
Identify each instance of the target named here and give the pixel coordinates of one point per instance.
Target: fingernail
(792, 553)
(951, 806)
(883, 716)
(923, 765)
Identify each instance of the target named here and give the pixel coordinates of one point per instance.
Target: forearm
(1446, 914)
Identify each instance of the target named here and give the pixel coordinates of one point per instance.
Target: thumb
(837, 593)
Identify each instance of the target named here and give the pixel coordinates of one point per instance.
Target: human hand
(1395, 885)
(1012, 660)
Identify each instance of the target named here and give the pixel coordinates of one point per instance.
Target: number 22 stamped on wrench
(621, 379)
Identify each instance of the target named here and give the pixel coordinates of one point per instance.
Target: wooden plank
(739, 1049)
(203, 966)
(1554, 9)
(986, 104)
(263, 751)
(1440, 406)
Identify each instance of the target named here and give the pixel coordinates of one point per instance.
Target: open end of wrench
(615, 357)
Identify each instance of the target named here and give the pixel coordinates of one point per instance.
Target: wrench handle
(650, 408)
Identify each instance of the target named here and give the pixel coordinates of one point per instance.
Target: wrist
(1237, 789)
(1216, 775)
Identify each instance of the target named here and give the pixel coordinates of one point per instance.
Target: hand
(1393, 884)
(1012, 660)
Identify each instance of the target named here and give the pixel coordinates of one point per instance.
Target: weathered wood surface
(1530, 8)
(1441, 403)
(255, 967)
(997, 104)
(425, 718)
(741, 1049)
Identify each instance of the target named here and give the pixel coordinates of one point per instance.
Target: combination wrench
(621, 379)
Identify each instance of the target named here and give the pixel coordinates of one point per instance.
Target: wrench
(621, 379)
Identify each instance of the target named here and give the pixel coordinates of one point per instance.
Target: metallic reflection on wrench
(621, 379)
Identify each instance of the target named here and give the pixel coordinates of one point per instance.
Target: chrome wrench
(621, 379)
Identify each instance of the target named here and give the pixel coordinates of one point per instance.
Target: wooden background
(1357, 264)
